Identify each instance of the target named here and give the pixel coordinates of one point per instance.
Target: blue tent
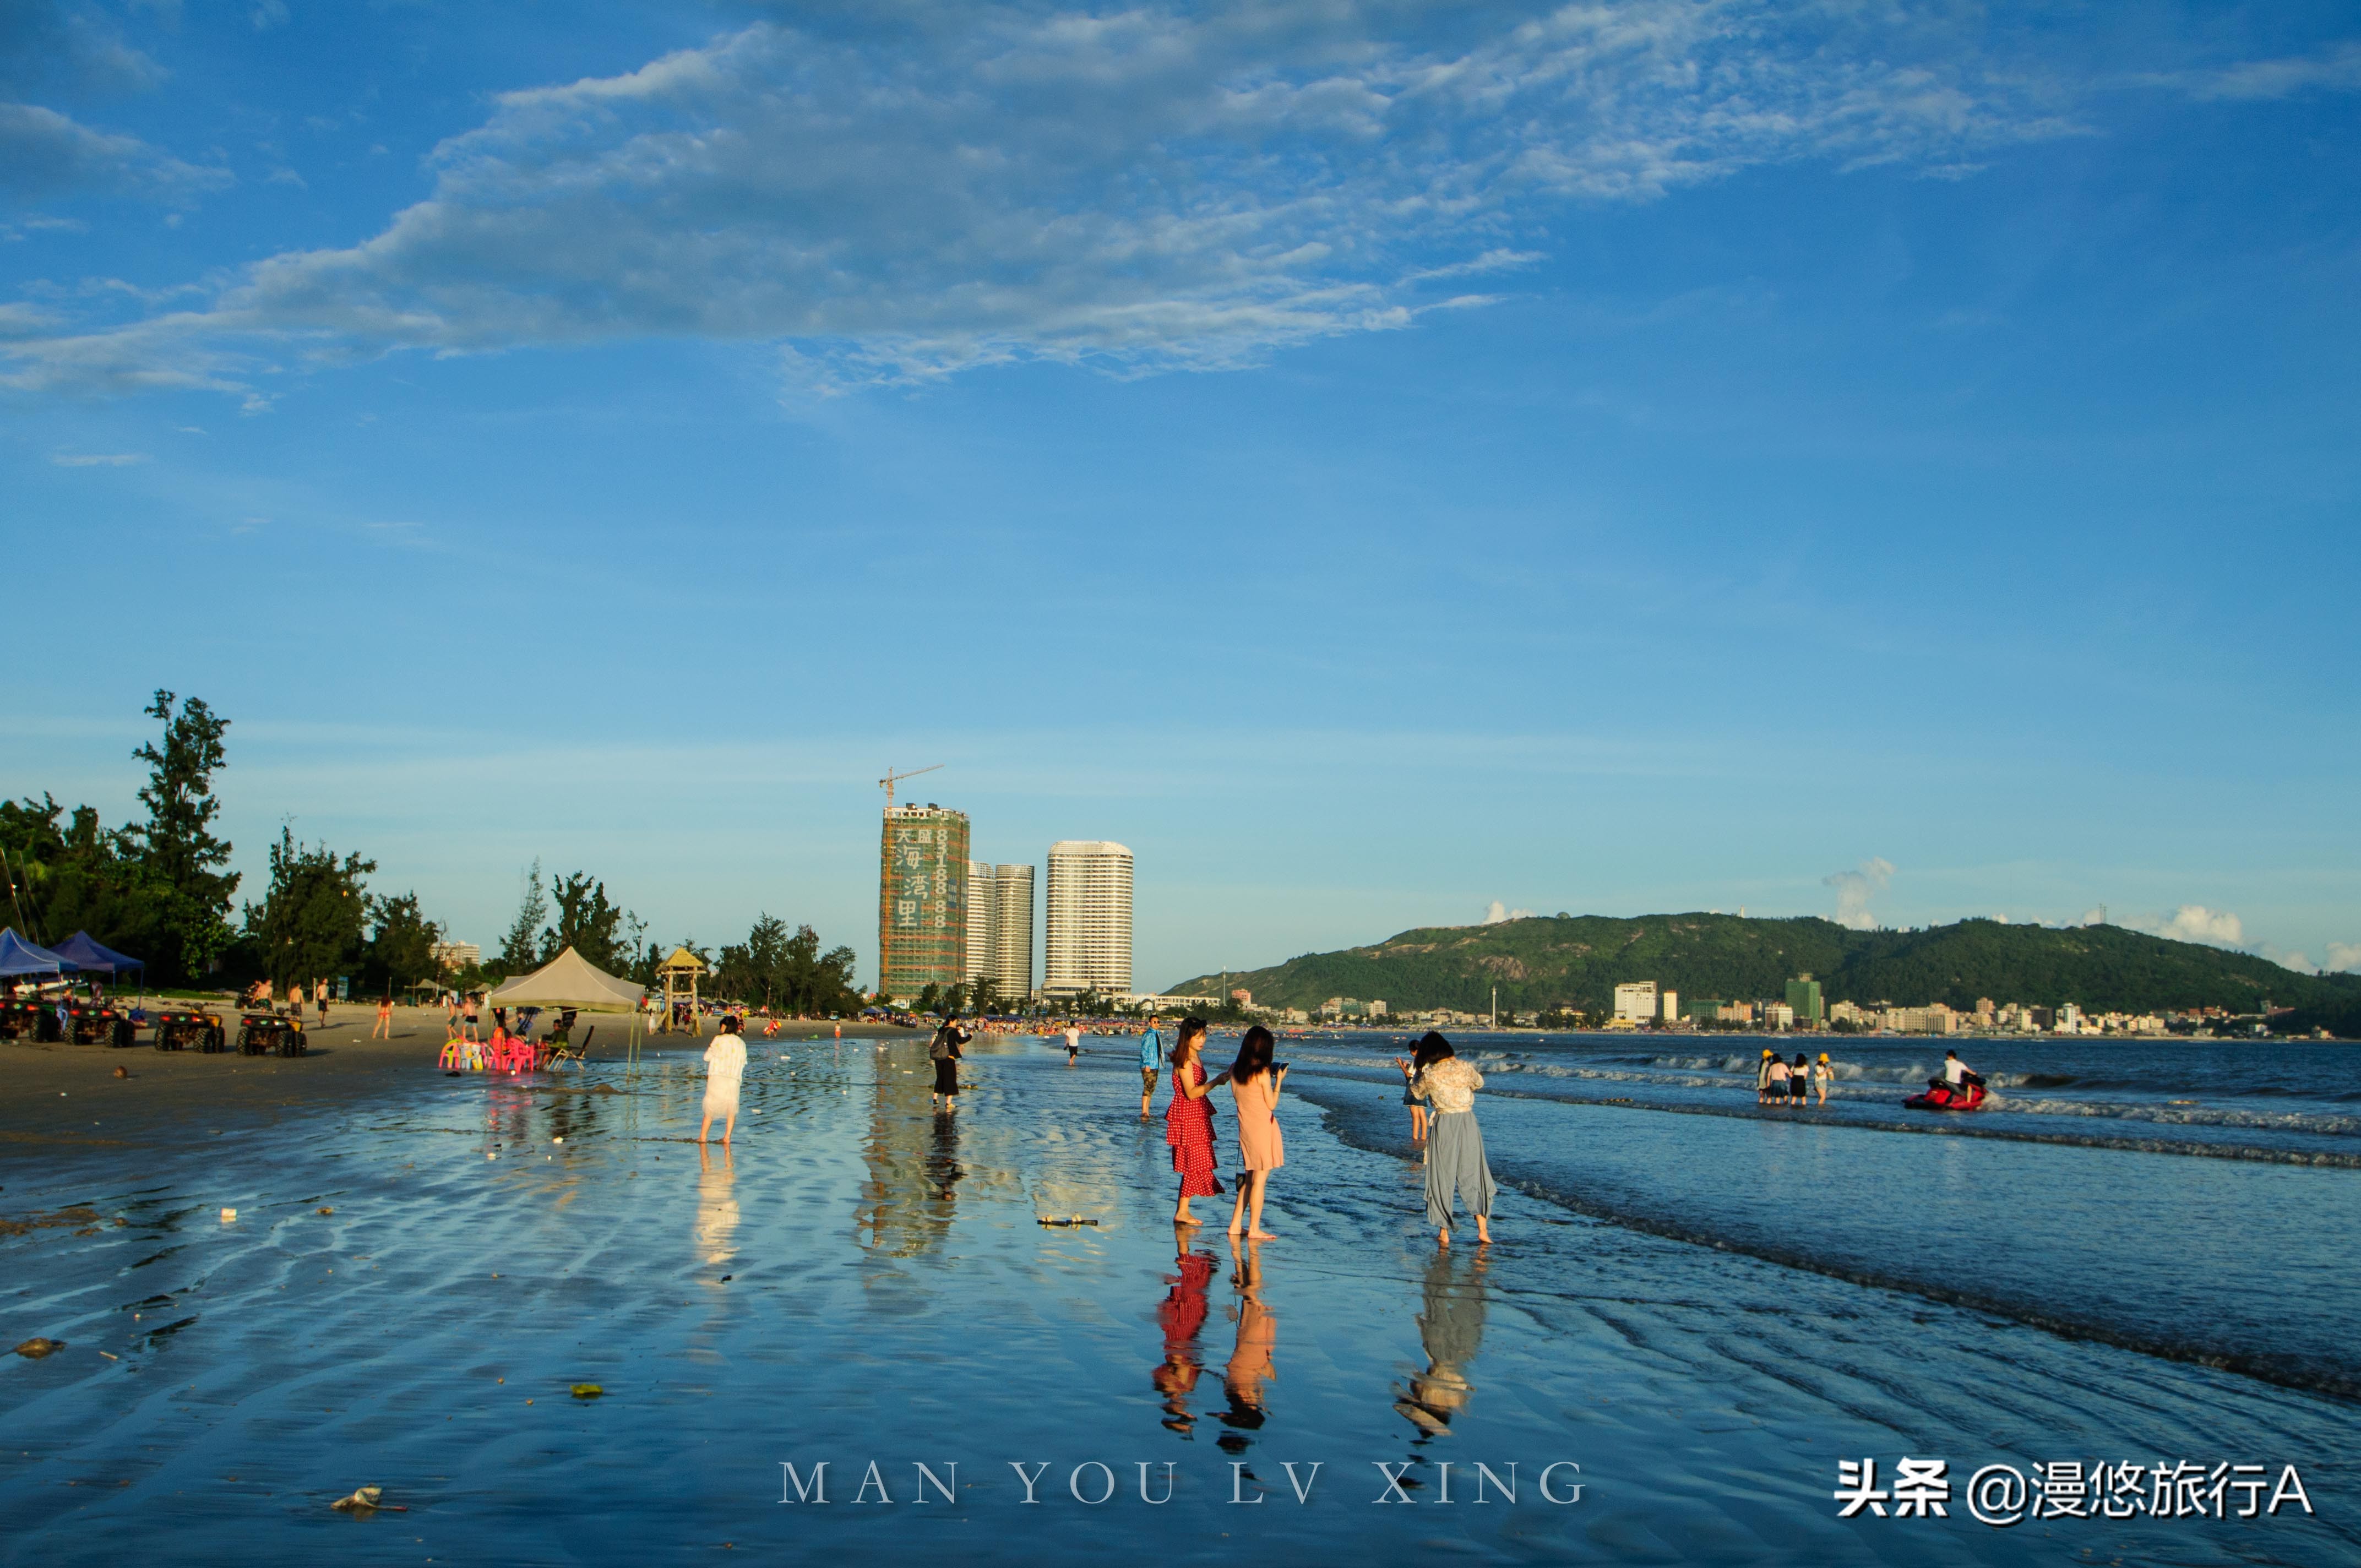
(18, 956)
(81, 953)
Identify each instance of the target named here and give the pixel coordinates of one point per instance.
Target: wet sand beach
(420, 1273)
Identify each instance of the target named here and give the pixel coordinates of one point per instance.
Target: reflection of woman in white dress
(717, 1210)
(725, 1064)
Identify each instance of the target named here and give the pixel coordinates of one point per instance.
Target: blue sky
(1374, 459)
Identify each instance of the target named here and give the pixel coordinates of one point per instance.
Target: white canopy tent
(570, 979)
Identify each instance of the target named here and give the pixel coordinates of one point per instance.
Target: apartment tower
(1012, 932)
(1087, 938)
(922, 900)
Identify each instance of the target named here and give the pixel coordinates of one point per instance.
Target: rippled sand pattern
(861, 1279)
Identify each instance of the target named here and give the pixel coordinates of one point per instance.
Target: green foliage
(1571, 961)
(605, 933)
(521, 948)
(401, 949)
(185, 889)
(308, 924)
(74, 876)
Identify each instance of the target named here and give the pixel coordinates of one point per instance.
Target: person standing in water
(1762, 1080)
(1255, 1084)
(1455, 1167)
(944, 1051)
(1188, 1121)
(1411, 1098)
(1799, 1080)
(1151, 1056)
(725, 1065)
(1821, 1074)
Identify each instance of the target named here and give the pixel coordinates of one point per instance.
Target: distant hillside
(1578, 961)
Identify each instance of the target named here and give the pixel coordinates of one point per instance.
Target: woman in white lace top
(1455, 1167)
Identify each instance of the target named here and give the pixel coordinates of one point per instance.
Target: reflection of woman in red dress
(1188, 1121)
(1181, 1314)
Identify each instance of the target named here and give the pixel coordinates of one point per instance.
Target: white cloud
(1499, 914)
(1855, 889)
(97, 459)
(2342, 956)
(1153, 187)
(2195, 923)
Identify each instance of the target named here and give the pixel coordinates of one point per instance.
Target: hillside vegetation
(1578, 961)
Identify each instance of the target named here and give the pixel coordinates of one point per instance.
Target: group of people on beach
(1435, 1076)
(1776, 1083)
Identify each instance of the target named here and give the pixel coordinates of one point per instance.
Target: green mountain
(1577, 961)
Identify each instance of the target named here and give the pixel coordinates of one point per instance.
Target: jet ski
(1941, 1096)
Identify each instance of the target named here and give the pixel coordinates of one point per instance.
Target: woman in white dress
(725, 1064)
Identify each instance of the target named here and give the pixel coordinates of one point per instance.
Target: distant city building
(1779, 1015)
(1737, 1013)
(1087, 935)
(922, 900)
(978, 922)
(1705, 1009)
(1243, 997)
(2069, 1019)
(1669, 1006)
(1848, 1013)
(1803, 998)
(1011, 902)
(456, 955)
(1378, 1009)
(1635, 1002)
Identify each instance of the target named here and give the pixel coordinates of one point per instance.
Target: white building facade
(1011, 971)
(1086, 939)
(1635, 1001)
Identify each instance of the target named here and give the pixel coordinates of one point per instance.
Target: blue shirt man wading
(1151, 1057)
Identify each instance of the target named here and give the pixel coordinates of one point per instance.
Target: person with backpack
(944, 1051)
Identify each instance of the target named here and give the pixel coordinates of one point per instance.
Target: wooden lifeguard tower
(678, 974)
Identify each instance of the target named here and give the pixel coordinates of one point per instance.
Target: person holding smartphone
(1254, 1085)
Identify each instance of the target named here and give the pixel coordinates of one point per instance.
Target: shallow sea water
(862, 1280)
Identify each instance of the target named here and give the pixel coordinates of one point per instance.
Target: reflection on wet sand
(1181, 1315)
(912, 1154)
(715, 1232)
(1450, 1326)
(1250, 1365)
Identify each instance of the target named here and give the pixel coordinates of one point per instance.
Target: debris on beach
(1071, 1220)
(365, 1501)
(229, 1216)
(587, 1390)
(326, 1210)
(36, 1347)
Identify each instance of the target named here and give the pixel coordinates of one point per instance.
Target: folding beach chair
(575, 1053)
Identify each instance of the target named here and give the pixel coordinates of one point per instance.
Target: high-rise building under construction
(922, 900)
(1087, 934)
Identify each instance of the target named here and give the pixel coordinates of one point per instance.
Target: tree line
(160, 890)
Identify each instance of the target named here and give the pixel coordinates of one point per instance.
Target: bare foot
(1187, 1220)
(1261, 1237)
(1443, 1238)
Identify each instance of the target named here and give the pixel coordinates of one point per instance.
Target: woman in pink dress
(1254, 1085)
(1188, 1121)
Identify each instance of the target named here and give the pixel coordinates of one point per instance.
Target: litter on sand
(36, 1347)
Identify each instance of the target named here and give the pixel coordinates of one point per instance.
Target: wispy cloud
(1148, 189)
(42, 151)
(2335, 71)
(97, 459)
(2345, 956)
(1499, 914)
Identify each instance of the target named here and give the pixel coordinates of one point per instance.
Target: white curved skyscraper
(1087, 943)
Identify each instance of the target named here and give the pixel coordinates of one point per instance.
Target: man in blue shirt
(1151, 1057)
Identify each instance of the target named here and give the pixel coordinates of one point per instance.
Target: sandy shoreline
(69, 1094)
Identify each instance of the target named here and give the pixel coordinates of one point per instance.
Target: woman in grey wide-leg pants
(1455, 1168)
